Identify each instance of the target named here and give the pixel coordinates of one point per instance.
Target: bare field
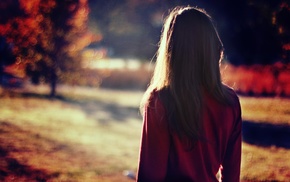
(89, 134)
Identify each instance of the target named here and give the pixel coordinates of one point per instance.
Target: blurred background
(72, 73)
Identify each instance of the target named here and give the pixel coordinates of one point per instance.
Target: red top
(163, 157)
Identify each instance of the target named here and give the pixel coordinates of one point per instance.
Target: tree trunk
(53, 81)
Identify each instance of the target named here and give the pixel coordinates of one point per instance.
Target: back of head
(187, 65)
(190, 49)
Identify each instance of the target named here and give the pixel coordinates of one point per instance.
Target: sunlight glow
(115, 63)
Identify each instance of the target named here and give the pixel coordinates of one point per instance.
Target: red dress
(163, 157)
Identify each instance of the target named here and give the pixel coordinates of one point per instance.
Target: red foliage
(286, 47)
(259, 80)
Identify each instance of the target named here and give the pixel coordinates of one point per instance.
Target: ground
(89, 134)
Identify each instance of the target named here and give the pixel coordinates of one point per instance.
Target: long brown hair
(188, 65)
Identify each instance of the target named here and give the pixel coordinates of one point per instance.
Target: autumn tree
(6, 55)
(281, 19)
(48, 37)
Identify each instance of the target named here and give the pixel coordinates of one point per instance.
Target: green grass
(88, 134)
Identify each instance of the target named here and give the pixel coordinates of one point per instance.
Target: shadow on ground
(11, 169)
(99, 110)
(265, 134)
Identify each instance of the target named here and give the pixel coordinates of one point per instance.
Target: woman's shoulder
(159, 99)
(235, 100)
(231, 93)
(158, 95)
(154, 98)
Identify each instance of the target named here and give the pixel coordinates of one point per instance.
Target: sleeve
(232, 160)
(155, 143)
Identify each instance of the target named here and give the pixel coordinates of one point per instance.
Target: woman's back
(165, 157)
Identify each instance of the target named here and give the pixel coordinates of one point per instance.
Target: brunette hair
(188, 66)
